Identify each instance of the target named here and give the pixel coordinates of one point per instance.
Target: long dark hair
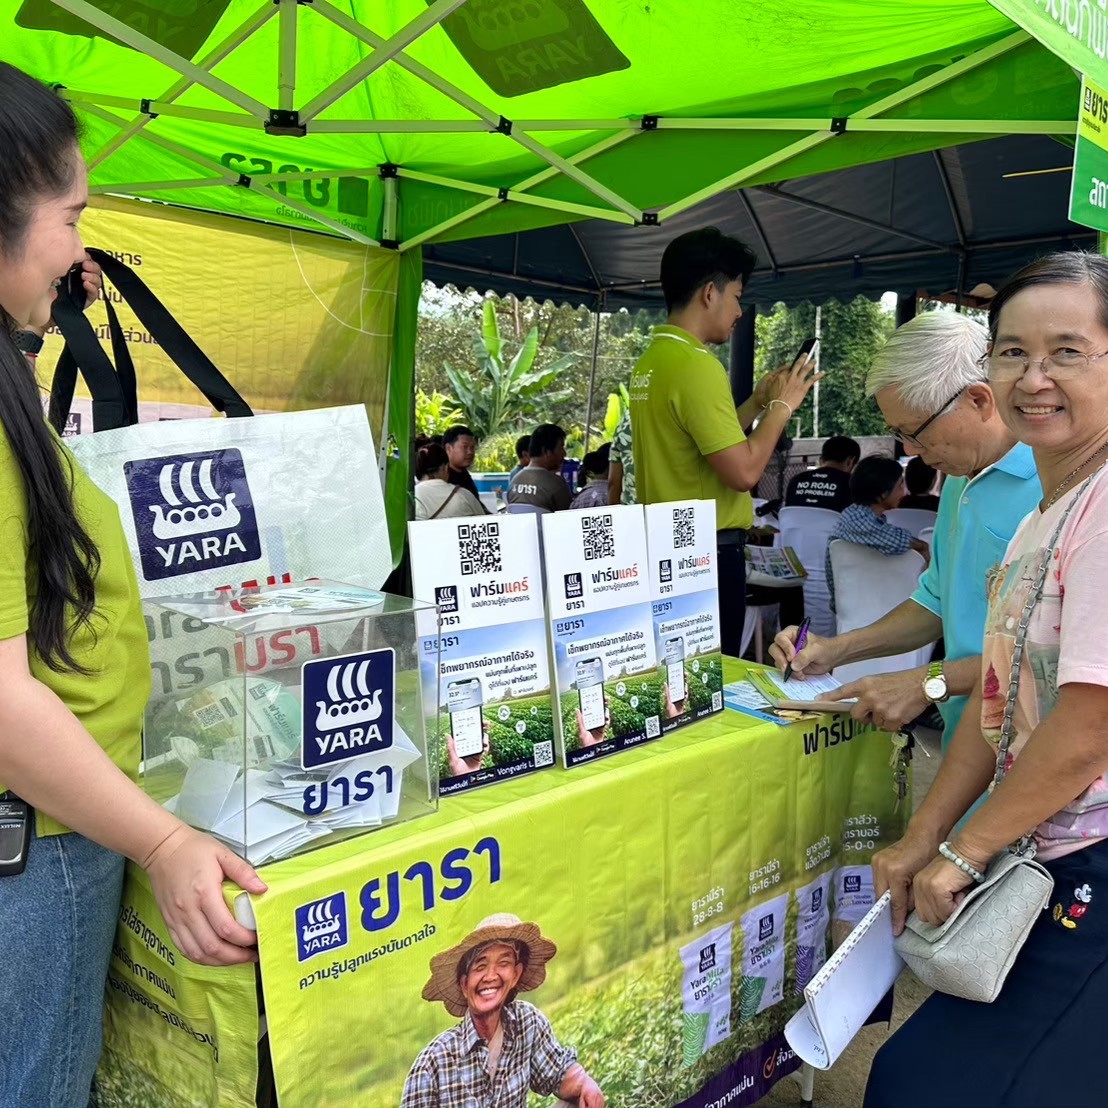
(38, 138)
(1064, 267)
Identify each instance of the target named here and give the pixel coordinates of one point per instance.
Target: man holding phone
(690, 441)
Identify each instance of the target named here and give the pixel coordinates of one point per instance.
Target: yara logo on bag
(348, 706)
(192, 512)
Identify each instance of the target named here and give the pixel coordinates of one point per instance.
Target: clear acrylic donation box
(285, 717)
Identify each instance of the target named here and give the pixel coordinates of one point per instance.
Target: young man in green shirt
(689, 440)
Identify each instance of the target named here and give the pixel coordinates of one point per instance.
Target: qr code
(597, 537)
(684, 527)
(653, 727)
(479, 548)
(210, 715)
(717, 702)
(544, 754)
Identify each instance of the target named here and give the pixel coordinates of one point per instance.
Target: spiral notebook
(844, 993)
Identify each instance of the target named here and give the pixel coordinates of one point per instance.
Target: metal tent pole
(592, 368)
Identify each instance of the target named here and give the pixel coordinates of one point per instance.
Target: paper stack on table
(812, 694)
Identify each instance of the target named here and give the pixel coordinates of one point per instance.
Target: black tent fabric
(942, 222)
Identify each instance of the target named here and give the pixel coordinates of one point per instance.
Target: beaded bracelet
(948, 853)
(777, 400)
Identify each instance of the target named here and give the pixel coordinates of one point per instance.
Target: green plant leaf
(490, 331)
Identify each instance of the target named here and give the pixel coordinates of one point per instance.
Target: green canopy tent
(400, 122)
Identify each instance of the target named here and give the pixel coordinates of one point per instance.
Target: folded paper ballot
(844, 993)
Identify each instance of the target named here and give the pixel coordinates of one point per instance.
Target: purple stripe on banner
(748, 1079)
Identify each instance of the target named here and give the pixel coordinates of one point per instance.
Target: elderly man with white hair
(930, 383)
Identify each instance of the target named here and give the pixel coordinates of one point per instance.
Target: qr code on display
(212, 715)
(597, 537)
(479, 548)
(684, 527)
(653, 727)
(544, 754)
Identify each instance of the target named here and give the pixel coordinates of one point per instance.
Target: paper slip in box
(488, 709)
(610, 694)
(684, 591)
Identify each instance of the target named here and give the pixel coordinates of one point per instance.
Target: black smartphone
(808, 348)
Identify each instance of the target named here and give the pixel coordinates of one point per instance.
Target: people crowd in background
(920, 480)
(593, 479)
(435, 496)
(540, 483)
(828, 485)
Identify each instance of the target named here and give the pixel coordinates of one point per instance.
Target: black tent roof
(937, 222)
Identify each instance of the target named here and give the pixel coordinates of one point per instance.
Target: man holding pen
(689, 440)
(930, 383)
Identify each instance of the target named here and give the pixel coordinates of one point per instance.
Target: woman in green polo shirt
(74, 671)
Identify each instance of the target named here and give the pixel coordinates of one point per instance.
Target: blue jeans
(57, 922)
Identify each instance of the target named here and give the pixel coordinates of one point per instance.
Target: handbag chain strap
(1026, 842)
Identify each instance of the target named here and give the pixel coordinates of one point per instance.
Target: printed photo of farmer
(504, 1048)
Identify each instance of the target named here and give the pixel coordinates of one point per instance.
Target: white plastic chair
(489, 500)
(807, 531)
(912, 519)
(927, 535)
(869, 585)
(527, 510)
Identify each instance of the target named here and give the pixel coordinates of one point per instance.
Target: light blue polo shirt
(977, 518)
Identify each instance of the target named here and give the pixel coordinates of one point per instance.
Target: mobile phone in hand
(809, 348)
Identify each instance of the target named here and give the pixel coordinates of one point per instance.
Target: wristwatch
(934, 684)
(28, 341)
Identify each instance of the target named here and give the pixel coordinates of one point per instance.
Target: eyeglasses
(1063, 366)
(913, 438)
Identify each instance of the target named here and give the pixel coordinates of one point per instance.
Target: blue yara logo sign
(817, 899)
(574, 586)
(192, 512)
(348, 706)
(665, 570)
(765, 928)
(321, 926)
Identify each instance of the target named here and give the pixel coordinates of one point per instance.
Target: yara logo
(351, 703)
(321, 926)
(192, 512)
(348, 706)
(204, 511)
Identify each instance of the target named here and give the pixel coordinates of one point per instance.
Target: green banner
(1075, 30)
(1089, 189)
(689, 888)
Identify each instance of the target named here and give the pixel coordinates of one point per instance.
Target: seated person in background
(435, 497)
(540, 483)
(876, 487)
(594, 472)
(461, 449)
(827, 486)
(523, 455)
(919, 478)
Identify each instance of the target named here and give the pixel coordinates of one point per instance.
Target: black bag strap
(114, 390)
(110, 407)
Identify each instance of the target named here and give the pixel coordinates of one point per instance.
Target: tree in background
(851, 334)
(501, 393)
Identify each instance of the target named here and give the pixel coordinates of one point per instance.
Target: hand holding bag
(970, 954)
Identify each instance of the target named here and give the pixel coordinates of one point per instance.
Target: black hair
(839, 449)
(696, 258)
(873, 478)
(595, 461)
(430, 459)
(1064, 267)
(38, 137)
(523, 446)
(453, 434)
(919, 476)
(545, 438)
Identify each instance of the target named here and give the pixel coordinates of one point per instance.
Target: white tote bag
(214, 502)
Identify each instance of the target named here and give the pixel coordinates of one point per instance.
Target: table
(684, 845)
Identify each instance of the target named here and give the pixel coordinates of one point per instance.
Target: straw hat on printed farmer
(535, 951)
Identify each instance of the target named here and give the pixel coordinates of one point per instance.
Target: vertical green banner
(1089, 188)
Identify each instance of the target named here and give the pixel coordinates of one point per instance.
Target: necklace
(1066, 483)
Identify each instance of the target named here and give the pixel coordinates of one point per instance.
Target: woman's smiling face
(491, 979)
(1052, 321)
